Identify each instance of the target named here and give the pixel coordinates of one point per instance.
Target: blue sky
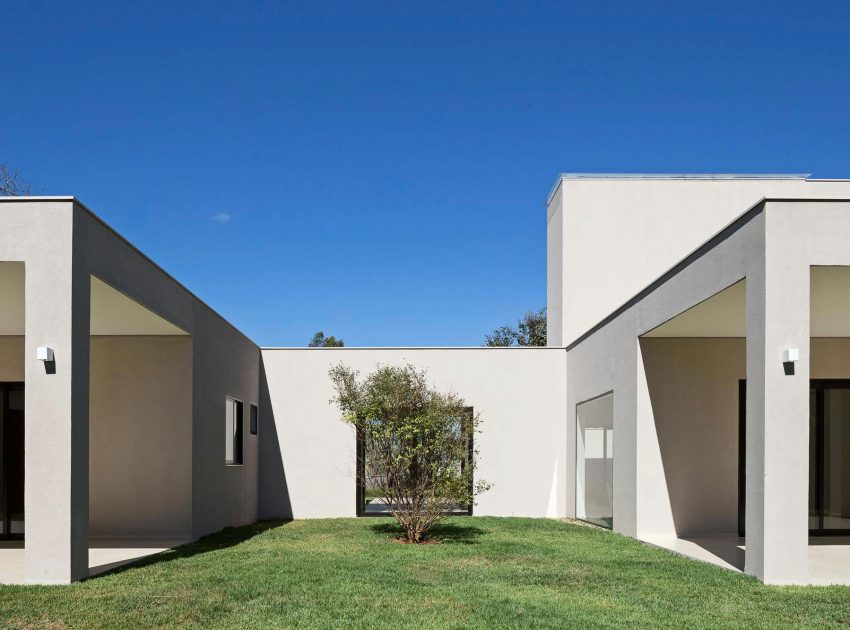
(378, 171)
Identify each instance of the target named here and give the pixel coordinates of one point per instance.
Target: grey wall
(308, 457)
(693, 390)
(224, 362)
(140, 436)
(617, 235)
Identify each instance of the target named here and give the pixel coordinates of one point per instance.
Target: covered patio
(140, 412)
(695, 368)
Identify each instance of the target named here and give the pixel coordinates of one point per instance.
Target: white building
(692, 389)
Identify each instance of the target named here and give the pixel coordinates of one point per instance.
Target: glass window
(595, 461)
(254, 419)
(371, 499)
(233, 431)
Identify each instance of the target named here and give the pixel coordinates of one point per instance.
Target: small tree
(530, 331)
(416, 441)
(320, 341)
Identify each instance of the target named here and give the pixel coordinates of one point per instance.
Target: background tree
(11, 182)
(530, 331)
(415, 440)
(320, 341)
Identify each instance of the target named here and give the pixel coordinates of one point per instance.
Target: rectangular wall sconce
(45, 354)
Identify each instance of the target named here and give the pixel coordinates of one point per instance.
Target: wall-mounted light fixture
(791, 355)
(43, 353)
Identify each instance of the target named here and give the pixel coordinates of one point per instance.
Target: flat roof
(701, 176)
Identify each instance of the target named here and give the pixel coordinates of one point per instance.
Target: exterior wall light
(791, 355)
(43, 353)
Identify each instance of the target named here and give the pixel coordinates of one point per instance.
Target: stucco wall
(618, 235)
(555, 270)
(308, 457)
(140, 436)
(693, 389)
(224, 362)
(11, 358)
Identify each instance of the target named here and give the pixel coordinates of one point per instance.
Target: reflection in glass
(836, 459)
(595, 461)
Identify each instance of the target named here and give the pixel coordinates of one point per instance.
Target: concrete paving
(104, 555)
(829, 557)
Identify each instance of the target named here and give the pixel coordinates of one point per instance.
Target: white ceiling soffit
(12, 298)
(724, 314)
(113, 313)
(830, 307)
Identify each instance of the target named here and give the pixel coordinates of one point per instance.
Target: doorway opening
(11, 461)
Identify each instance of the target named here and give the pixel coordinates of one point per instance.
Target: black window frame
(238, 437)
(360, 480)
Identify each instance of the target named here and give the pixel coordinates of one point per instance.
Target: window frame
(238, 433)
(605, 445)
(253, 419)
(360, 476)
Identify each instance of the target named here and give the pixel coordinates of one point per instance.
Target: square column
(57, 416)
(777, 431)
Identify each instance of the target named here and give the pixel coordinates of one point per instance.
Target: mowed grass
(487, 573)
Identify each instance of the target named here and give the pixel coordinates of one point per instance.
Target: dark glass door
(829, 443)
(829, 458)
(11, 460)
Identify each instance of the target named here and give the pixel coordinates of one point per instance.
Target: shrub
(416, 441)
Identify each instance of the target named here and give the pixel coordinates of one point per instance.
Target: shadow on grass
(229, 537)
(452, 533)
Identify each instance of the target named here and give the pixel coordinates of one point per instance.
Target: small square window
(254, 419)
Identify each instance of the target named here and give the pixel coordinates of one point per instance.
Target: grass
(487, 573)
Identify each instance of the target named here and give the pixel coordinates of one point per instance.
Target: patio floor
(829, 557)
(104, 555)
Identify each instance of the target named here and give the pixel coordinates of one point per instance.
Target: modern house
(693, 393)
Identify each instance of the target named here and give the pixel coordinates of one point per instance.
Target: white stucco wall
(617, 235)
(308, 453)
(140, 437)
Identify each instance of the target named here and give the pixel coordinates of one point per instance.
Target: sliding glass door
(829, 458)
(11, 460)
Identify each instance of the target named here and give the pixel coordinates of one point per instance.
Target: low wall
(307, 457)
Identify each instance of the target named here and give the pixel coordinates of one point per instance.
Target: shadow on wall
(693, 390)
(273, 492)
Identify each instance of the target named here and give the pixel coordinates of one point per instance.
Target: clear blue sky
(380, 173)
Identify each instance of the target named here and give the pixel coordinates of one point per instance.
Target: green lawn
(487, 573)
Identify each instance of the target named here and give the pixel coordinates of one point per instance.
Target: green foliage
(529, 331)
(416, 442)
(320, 341)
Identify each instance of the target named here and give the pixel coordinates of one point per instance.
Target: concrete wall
(57, 314)
(11, 358)
(56, 443)
(308, 457)
(555, 270)
(224, 362)
(773, 247)
(693, 390)
(618, 235)
(611, 359)
(140, 436)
